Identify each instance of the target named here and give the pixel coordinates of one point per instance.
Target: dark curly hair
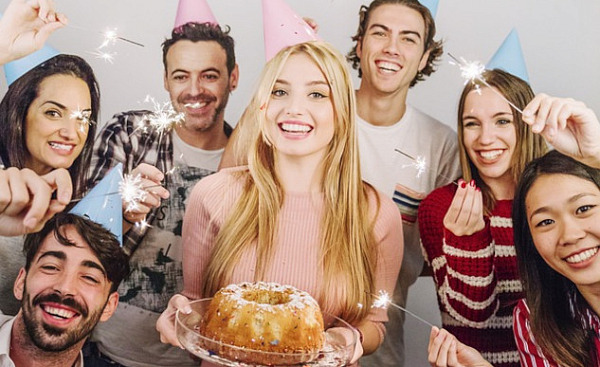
(103, 243)
(435, 48)
(196, 32)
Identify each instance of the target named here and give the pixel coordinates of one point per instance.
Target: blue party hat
(103, 203)
(509, 57)
(432, 5)
(16, 68)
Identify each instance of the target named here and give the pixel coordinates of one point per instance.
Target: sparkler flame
(132, 192)
(384, 300)
(162, 119)
(473, 71)
(106, 56)
(83, 117)
(110, 38)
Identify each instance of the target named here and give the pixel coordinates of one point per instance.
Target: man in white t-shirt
(200, 72)
(68, 285)
(394, 50)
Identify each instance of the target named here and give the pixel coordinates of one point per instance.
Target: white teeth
(60, 146)
(388, 66)
(295, 128)
(59, 312)
(582, 256)
(492, 154)
(195, 105)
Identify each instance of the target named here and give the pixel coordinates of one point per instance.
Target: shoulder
(221, 183)
(442, 196)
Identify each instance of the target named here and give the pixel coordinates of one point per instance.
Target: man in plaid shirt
(200, 72)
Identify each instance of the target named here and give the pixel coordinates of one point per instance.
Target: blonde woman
(299, 213)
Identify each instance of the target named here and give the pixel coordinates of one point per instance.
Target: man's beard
(49, 338)
(212, 120)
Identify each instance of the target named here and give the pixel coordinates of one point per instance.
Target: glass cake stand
(335, 352)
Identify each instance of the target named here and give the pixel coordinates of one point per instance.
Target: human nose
(570, 231)
(294, 106)
(487, 134)
(391, 46)
(66, 284)
(70, 128)
(196, 87)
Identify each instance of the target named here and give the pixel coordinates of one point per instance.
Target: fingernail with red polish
(472, 183)
(463, 185)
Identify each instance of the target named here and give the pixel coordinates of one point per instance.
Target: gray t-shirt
(11, 260)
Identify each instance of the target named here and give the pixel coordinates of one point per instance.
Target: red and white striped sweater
(476, 277)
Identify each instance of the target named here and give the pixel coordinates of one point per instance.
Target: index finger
(60, 180)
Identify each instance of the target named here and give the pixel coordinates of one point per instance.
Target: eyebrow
(572, 199)
(314, 82)
(62, 256)
(201, 71)
(387, 29)
(63, 107)
(495, 115)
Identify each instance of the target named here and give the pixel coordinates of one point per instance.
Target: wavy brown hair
(529, 145)
(435, 47)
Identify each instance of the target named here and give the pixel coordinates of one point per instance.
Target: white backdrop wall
(560, 40)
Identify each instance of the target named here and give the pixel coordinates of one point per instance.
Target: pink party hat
(102, 204)
(432, 5)
(509, 57)
(194, 11)
(283, 27)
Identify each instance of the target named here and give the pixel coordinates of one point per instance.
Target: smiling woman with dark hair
(46, 135)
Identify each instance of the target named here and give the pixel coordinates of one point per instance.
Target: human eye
(470, 124)
(503, 122)
(278, 92)
(210, 76)
(179, 77)
(584, 208)
(53, 113)
(49, 268)
(318, 95)
(409, 39)
(92, 279)
(544, 223)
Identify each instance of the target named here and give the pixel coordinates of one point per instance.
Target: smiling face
(563, 213)
(56, 125)
(198, 83)
(489, 135)
(392, 50)
(64, 293)
(300, 112)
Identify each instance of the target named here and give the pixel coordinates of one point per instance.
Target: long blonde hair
(529, 145)
(348, 250)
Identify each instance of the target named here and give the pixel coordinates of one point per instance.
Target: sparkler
(82, 117)
(132, 192)
(162, 119)
(473, 71)
(383, 300)
(111, 37)
(419, 163)
(106, 56)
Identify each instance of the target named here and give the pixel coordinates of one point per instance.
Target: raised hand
(465, 214)
(25, 27)
(26, 202)
(568, 125)
(151, 181)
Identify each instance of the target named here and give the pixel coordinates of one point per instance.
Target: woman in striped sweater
(466, 228)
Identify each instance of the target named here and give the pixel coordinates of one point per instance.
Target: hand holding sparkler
(465, 214)
(383, 300)
(568, 125)
(25, 27)
(141, 191)
(445, 350)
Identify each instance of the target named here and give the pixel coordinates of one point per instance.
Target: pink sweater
(296, 258)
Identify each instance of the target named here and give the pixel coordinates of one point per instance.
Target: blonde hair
(529, 145)
(348, 250)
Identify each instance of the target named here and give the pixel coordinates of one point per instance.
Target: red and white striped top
(530, 352)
